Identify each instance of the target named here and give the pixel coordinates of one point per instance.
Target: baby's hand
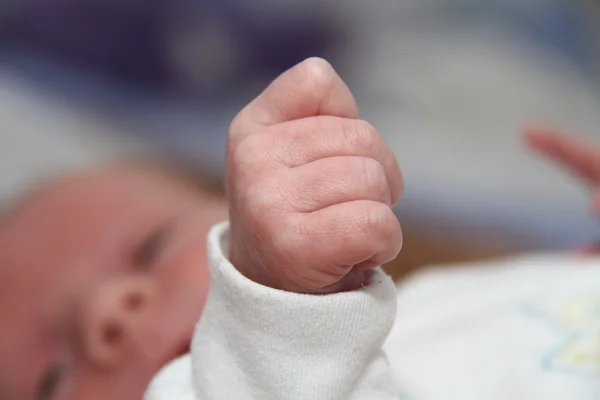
(310, 186)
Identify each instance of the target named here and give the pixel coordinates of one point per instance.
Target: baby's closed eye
(149, 251)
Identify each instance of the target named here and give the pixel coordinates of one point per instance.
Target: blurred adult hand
(579, 157)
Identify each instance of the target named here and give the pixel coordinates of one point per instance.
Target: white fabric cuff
(280, 345)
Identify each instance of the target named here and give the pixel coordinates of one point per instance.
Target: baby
(106, 280)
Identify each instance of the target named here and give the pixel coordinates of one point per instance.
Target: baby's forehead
(86, 213)
(79, 205)
(91, 208)
(94, 186)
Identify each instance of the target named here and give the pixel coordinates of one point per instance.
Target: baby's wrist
(247, 265)
(278, 278)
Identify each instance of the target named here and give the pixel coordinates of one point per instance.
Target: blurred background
(449, 83)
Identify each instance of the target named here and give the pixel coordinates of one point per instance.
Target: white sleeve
(255, 342)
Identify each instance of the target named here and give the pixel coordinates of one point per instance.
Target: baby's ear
(309, 89)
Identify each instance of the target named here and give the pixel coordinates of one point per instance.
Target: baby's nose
(113, 318)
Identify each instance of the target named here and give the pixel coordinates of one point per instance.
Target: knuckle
(373, 175)
(379, 222)
(360, 134)
(288, 142)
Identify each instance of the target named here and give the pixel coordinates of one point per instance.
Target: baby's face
(102, 279)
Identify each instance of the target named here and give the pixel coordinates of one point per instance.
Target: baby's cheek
(184, 278)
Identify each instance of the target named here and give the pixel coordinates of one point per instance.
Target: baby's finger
(310, 88)
(296, 143)
(578, 156)
(334, 180)
(339, 237)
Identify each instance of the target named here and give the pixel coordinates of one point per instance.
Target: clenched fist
(310, 186)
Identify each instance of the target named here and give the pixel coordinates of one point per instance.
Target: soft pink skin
(311, 186)
(68, 274)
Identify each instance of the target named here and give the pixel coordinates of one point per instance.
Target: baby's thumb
(309, 89)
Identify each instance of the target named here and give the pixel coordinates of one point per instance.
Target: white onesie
(518, 329)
